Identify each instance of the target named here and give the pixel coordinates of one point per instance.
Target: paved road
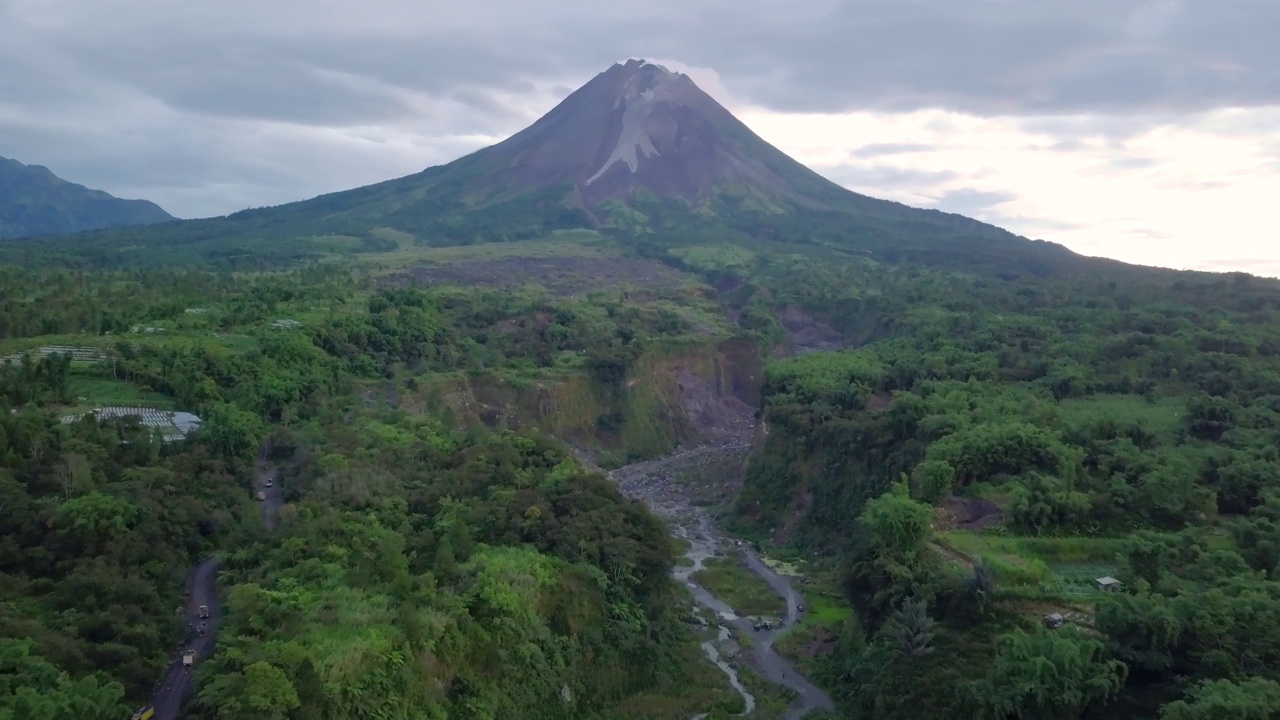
(275, 499)
(175, 684)
(202, 589)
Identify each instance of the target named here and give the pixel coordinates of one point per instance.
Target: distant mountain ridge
(35, 202)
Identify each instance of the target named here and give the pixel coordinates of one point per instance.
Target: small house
(1107, 584)
(1053, 621)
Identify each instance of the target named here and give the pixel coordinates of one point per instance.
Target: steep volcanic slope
(34, 201)
(638, 125)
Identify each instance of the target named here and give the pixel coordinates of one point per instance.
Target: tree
(268, 692)
(1249, 699)
(909, 631)
(231, 431)
(1046, 676)
(899, 527)
(889, 564)
(932, 480)
(981, 584)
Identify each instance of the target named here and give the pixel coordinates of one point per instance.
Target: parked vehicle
(144, 714)
(202, 629)
(204, 612)
(261, 496)
(189, 658)
(269, 482)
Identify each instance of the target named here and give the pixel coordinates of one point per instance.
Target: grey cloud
(1132, 163)
(163, 97)
(1123, 163)
(974, 203)
(1266, 267)
(873, 150)
(889, 177)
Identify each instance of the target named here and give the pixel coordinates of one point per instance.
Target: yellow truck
(144, 714)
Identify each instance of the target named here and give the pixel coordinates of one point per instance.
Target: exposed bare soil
(806, 334)
(566, 276)
(967, 513)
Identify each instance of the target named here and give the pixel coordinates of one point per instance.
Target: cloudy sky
(1145, 130)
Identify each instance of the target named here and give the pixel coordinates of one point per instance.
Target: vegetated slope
(422, 567)
(638, 152)
(35, 202)
(999, 446)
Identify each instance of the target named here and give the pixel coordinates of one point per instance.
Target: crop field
(1059, 566)
(95, 389)
(1076, 579)
(1162, 417)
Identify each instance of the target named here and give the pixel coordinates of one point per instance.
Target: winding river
(654, 483)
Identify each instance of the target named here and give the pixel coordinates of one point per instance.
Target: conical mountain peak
(639, 127)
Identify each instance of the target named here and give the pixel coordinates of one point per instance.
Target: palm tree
(982, 583)
(909, 631)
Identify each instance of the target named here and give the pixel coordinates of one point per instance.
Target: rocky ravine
(654, 483)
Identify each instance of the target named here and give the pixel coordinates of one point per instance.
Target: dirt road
(175, 684)
(654, 482)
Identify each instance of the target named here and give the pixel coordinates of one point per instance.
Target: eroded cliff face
(671, 397)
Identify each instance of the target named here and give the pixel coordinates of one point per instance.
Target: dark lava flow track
(202, 589)
(655, 484)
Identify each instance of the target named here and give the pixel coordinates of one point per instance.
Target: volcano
(640, 127)
(640, 153)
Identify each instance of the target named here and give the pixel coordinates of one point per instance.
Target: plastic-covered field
(172, 425)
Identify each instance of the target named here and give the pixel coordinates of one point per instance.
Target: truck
(144, 714)
(188, 658)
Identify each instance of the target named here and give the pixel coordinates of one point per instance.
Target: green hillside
(35, 202)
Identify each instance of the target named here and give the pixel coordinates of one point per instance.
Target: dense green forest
(1001, 446)
(423, 560)
(995, 443)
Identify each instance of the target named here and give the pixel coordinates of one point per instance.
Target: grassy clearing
(1163, 417)
(90, 389)
(745, 593)
(826, 610)
(714, 257)
(580, 243)
(782, 567)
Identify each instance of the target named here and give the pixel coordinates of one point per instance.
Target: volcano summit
(640, 127)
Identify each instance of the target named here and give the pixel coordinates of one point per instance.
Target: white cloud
(1195, 194)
